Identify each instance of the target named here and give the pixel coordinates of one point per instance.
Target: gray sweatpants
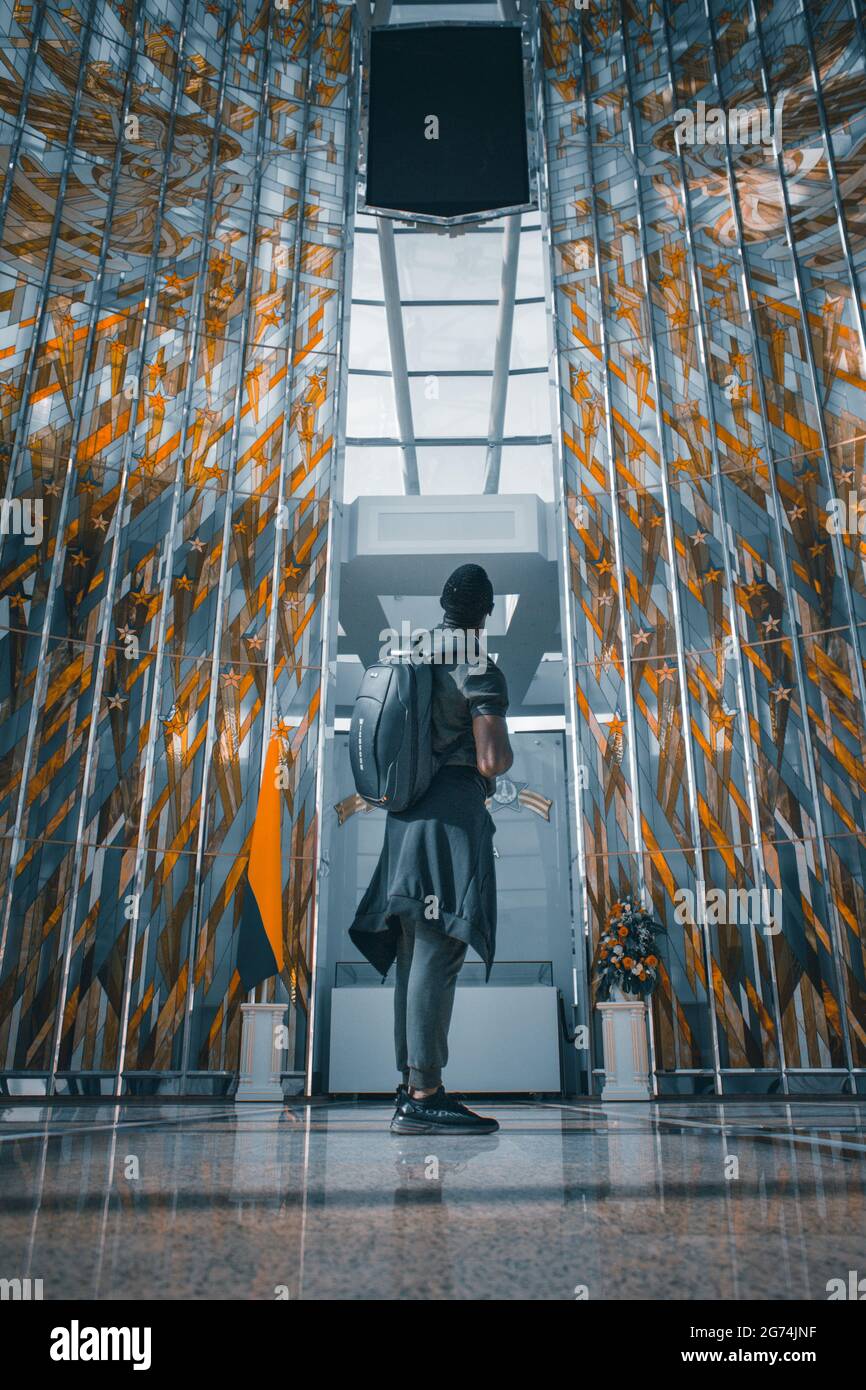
(427, 965)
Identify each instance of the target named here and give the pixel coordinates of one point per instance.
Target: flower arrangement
(625, 957)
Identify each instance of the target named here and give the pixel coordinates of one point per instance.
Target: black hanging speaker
(446, 131)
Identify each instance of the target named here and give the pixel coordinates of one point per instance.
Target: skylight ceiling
(449, 310)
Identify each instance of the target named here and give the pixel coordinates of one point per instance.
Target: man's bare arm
(492, 749)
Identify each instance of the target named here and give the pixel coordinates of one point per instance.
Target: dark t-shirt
(462, 690)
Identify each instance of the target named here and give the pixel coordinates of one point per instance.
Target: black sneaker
(437, 1114)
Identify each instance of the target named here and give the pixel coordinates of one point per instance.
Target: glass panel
(371, 472)
(368, 338)
(528, 407)
(436, 266)
(452, 469)
(451, 406)
(449, 337)
(366, 267)
(370, 410)
(529, 336)
(527, 468)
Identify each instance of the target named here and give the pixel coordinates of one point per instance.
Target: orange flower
(627, 962)
(652, 960)
(623, 931)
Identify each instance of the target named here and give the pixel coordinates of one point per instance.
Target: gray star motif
(508, 793)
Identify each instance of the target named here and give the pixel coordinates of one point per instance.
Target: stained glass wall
(175, 216)
(712, 366)
(174, 225)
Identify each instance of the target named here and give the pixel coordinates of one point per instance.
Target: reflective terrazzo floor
(670, 1201)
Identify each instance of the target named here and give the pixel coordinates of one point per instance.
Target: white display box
(503, 1038)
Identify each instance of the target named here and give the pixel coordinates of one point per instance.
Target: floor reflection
(607, 1202)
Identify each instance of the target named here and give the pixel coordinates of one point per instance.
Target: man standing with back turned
(434, 889)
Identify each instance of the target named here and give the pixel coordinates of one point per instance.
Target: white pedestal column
(261, 1052)
(626, 1056)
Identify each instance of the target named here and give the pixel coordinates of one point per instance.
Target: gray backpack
(390, 741)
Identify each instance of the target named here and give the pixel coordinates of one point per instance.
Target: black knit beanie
(467, 597)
